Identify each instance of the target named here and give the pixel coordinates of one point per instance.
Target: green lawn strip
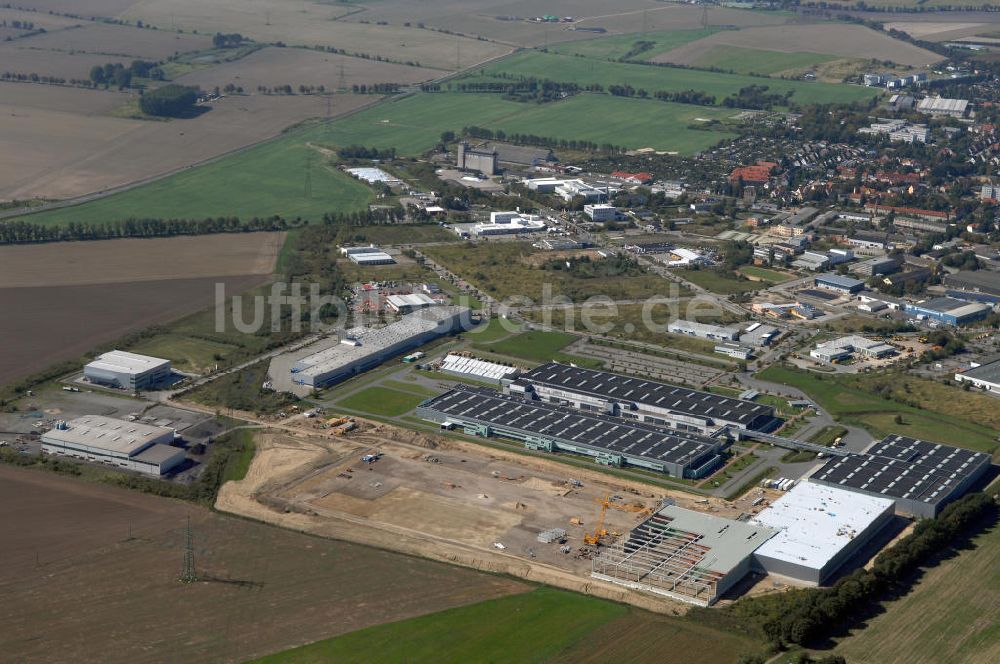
(772, 276)
(382, 401)
(536, 345)
(409, 388)
(521, 628)
(719, 283)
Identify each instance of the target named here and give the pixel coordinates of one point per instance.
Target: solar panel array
(650, 393)
(906, 468)
(611, 434)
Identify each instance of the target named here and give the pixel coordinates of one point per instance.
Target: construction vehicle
(594, 539)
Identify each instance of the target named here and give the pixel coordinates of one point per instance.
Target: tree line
(541, 141)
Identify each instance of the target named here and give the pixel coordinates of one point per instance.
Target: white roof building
(820, 527)
(120, 368)
(470, 366)
(130, 445)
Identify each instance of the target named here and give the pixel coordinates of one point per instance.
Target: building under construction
(685, 555)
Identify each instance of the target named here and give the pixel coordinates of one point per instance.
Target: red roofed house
(757, 174)
(635, 178)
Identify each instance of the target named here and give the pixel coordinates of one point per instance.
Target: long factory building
(920, 476)
(129, 445)
(363, 348)
(127, 371)
(549, 427)
(641, 400)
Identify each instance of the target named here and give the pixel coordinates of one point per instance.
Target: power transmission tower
(704, 16)
(342, 83)
(188, 573)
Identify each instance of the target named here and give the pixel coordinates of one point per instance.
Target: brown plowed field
(116, 42)
(90, 574)
(57, 154)
(849, 41)
(295, 66)
(61, 300)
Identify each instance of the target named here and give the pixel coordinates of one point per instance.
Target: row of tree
(120, 76)
(541, 141)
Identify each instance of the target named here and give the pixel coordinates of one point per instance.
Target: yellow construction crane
(599, 530)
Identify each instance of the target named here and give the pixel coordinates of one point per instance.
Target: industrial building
(370, 255)
(363, 348)
(758, 334)
(127, 371)
(984, 376)
(703, 330)
(482, 160)
(642, 400)
(978, 281)
(949, 310)
(472, 367)
(920, 476)
(405, 304)
(954, 108)
(875, 266)
(510, 223)
(128, 445)
(734, 351)
(819, 528)
(845, 347)
(682, 554)
(601, 212)
(611, 441)
(836, 282)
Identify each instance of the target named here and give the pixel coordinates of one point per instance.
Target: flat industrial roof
(949, 305)
(107, 433)
(361, 342)
(612, 434)
(475, 367)
(988, 372)
(650, 393)
(125, 362)
(839, 280)
(729, 541)
(816, 522)
(904, 467)
(158, 454)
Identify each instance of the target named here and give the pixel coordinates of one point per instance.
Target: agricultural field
(651, 78)
(928, 410)
(115, 43)
(57, 152)
(832, 39)
(313, 23)
(76, 286)
(272, 67)
(758, 61)
(511, 269)
(940, 28)
(620, 46)
(63, 539)
(287, 177)
(957, 606)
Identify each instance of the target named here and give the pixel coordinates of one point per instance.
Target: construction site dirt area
(86, 565)
(452, 500)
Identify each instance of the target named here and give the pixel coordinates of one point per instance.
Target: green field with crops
(759, 61)
(636, 46)
(570, 69)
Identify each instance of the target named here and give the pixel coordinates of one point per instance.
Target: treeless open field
(295, 66)
(74, 581)
(938, 31)
(18, 58)
(147, 259)
(114, 41)
(849, 41)
(311, 23)
(57, 154)
(61, 300)
(88, 8)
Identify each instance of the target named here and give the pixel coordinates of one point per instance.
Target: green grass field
(957, 608)
(382, 401)
(186, 353)
(264, 180)
(545, 625)
(536, 345)
(759, 61)
(719, 283)
(618, 46)
(589, 70)
(941, 413)
(763, 273)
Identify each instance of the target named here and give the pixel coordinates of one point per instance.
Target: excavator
(594, 539)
